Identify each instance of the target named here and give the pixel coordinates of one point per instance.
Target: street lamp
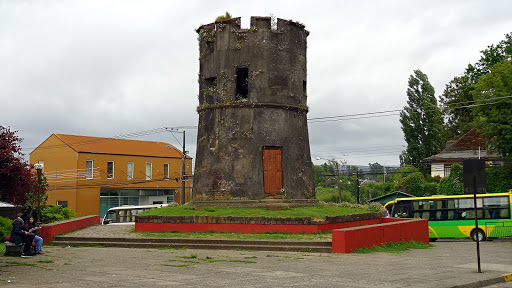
(39, 168)
(338, 180)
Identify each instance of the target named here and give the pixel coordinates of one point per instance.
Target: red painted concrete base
(249, 228)
(390, 230)
(48, 231)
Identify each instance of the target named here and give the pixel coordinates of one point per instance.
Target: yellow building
(92, 174)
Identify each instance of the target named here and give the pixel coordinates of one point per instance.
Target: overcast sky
(107, 68)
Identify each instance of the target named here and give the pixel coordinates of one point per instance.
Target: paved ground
(448, 264)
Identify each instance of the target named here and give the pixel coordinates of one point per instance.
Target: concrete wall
(48, 231)
(233, 131)
(390, 230)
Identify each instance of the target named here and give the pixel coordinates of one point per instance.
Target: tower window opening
(209, 89)
(304, 88)
(242, 83)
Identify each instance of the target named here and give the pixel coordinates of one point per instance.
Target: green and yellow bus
(454, 216)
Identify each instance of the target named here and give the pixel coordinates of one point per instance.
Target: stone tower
(253, 140)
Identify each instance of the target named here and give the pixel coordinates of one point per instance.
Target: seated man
(31, 227)
(19, 235)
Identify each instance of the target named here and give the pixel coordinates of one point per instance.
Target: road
(447, 264)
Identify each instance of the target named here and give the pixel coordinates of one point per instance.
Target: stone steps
(215, 244)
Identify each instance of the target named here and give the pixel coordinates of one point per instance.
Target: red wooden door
(272, 170)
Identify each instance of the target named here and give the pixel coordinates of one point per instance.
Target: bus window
(401, 212)
(496, 202)
(469, 203)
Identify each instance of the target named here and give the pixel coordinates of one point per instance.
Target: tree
(458, 119)
(421, 121)
(376, 168)
(457, 94)
(15, 174)
(496, 118)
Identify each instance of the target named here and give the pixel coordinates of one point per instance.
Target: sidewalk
(447, 264)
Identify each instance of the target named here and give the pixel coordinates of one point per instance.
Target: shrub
(431, 189)
(453, 184)
(331, 195)
(56, 213)
(5, 228)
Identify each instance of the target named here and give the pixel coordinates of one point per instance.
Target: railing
(498, 229)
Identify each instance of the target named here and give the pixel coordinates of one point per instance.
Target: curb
(504, 278)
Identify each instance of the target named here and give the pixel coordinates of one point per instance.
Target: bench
(11, 249)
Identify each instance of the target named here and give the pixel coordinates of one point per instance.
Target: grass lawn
(318, 236)
(312, 211)
(396, 247)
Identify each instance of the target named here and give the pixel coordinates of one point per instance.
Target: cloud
(104, 68)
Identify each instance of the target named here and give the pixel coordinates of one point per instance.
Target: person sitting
(19, 235)
(31, 227)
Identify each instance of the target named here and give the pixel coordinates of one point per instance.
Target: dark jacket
(29, 226)
(18, 232)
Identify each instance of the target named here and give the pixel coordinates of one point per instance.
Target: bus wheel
(432, 239)
(478, 233)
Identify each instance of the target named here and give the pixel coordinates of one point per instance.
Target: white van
(126, 214)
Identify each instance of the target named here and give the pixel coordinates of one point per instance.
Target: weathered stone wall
(235, 128)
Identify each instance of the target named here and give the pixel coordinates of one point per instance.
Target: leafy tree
(453, 184)
(376, 168)
(421, 121)
(498, 179)
(352, 170)
(457, 93)
(409, 180)
(457, 121)
(15, 174)
(496, 118)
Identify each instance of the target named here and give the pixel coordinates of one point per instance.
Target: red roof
(87, 144)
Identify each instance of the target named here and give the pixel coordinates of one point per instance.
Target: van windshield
(111, 215)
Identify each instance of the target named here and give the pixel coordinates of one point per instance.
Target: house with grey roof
(471, 145)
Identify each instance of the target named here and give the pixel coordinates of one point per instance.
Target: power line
(310, 120)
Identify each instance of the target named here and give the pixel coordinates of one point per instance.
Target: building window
(149, 171)
(447, 169)
(88, 169)
(110, 170)
(242, 83)
(129, 171)
(166, 171)
(64, 204)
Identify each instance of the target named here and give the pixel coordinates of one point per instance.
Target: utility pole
(184, 158)
(357, 185)
(338, 180)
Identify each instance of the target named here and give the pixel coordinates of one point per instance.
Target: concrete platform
(447, 264)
